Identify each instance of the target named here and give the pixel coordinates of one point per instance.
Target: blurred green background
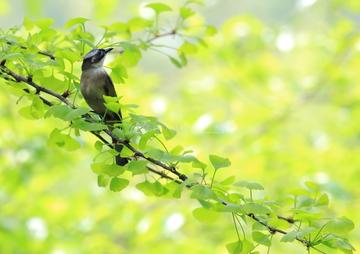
(277, 91)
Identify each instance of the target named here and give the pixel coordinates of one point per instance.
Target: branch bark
(180, 178)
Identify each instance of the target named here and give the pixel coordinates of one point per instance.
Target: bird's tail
(121, 161)
(116, 118)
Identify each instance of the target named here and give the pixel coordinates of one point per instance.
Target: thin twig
(137, 153)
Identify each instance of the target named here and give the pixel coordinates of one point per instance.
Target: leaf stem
(237, 231)
(212, 179)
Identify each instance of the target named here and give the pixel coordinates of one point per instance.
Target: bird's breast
(92, 88)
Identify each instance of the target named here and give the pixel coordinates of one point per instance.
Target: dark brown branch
(157, 36)
(52, 57)
(18, 78)
(182, 177)
(142, 155)
(28, 81)
(274, 230)
(289, 220)
(156, 162)
(162, 174)
(44, 53)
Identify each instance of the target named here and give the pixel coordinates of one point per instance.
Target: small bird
(94, 84)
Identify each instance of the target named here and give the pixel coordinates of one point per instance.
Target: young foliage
(42, 63)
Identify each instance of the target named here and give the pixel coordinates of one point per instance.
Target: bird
(94, 84)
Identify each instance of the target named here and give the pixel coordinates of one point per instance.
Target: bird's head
(95, 58)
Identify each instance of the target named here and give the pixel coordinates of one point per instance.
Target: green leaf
(176, 62)
(199, 2)
(202, 192)
(181, 62)
(199, 164)
(41, 23)
(168, 133)
(305, 232)
(102, 180)
(68, 54)
(187, 48)
(323, 200)
(261, 238)
(210, 30)
(175, 189)
(75, 113)
(44, 23)
(219, 162)
(11, 55)
(28, 113)
(336, 242)
(118, 184)
(255, 208)
(113, 106)
(75, 21)
(108, 99)
(340, 225)
(293, 235)
(138, 167)
(230, 208)
(58, 111)
(118, 27)
(168, 157)
(99, 145)
(131, 55)
(234, 247)
(152, 189)
(159, 7)
(229, 180)
(304, 201)
(289, 237)
(312, 186)
(35, 110)
(119, 73)
(126, 152)
(139, 24)
(106, 169)
(56, 138)
(205, 215)
(146, 137)
(249, 185)
(86, 126)
(186, 12)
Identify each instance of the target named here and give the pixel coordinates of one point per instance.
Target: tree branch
(181, 177)
(18, 78)
(44, 53)
(137, 153)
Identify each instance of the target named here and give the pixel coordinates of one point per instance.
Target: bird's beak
(108, 50)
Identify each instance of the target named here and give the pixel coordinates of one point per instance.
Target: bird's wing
(109, 90)
(109, 87)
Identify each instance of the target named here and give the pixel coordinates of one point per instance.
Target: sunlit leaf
(219, 162)
(249, 185)
(75, 21)
(205, 215)
(159, 7)
(138, 167)
(234, 247)
(118, 184)
(261, 238)
(57, 138)
(106, 169)
(186, 12)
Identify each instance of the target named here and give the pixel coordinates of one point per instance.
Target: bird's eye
(98, 56)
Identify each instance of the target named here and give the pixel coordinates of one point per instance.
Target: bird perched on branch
(94, 84)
